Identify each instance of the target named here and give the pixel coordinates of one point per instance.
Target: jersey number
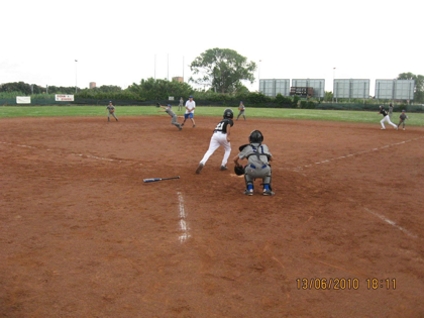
(219, 126)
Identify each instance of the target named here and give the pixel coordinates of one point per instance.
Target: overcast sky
(122, 42)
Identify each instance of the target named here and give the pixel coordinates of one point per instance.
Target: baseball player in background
(111, 111)
(390, 110)
(220, 137)
(241, 109)
(402, 119)
(258, 163)
(189, 113)
(181, 104)
(386, 118)
(174, 121)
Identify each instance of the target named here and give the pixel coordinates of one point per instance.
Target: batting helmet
(228, 113)
(256, 137)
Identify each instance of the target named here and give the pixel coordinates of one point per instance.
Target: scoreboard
(302, 91)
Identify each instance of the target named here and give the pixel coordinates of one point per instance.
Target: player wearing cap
(402, 119)
(241, 108)
(111, 111)
(189, 113)
(174, 121)
(220, 137)
(386, 118)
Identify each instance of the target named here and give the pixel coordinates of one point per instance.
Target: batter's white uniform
(219, 138)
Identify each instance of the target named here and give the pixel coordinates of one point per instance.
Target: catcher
(258, 163)
(111, 111)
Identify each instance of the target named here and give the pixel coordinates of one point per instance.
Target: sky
(122, 42)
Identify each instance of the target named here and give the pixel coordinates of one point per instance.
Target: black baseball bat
(159, 179)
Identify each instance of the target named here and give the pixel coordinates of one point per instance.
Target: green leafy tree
(222, 70)
(419, 84)
(157, 89)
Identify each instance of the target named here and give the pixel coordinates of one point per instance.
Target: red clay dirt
(81, 235)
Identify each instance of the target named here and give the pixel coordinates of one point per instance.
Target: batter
(220, 137)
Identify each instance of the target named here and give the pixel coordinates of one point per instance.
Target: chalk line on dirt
(182, 222)
(354, 154)
(392, 223)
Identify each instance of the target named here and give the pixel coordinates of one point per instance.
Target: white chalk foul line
(392, 223)
(182, 222)
(356, 154)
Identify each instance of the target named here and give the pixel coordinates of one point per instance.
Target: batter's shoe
(223, 168)
(248, 192)
(199, 168)
(267, 192)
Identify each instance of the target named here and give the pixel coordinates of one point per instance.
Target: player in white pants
(386, 118)
(220, 137)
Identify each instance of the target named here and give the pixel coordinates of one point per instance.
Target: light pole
(259, 75)
(334, 86)
(76, 75)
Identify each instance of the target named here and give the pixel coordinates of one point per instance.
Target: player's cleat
(199, 168)
(194, 126)
(182, 124)
(248, 192)
(403, 128)
(180, 128)
(223, 168)
(267, 192)
(383, 128)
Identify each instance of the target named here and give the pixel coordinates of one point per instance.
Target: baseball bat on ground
(159, 179)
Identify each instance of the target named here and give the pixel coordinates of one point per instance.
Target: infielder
(181, 104)
(258, 163)
(386, 118)
(189, 113)
(220, 137)
(402, 119)
(111, 111)
(174, 121)
(241, 108)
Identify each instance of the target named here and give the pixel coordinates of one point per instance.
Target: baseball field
(81, 235)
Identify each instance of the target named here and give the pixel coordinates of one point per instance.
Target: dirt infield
(82, 236)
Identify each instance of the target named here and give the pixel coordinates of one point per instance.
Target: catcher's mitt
(239, 170)
(157, 105)
(242, 147)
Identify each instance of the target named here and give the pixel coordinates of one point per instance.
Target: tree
(156, 89)
(222, 70)
(419, 84)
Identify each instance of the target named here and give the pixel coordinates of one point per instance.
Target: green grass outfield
(415, 119)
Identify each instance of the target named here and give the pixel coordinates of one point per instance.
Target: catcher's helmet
(228, 113)
(256, 137)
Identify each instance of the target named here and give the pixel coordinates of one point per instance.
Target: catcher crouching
(258, 163)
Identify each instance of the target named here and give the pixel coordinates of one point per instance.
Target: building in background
(178, 79)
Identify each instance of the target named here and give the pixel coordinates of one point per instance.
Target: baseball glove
(157, 105)
(242, 147)
(239, 170)
(112, 111)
